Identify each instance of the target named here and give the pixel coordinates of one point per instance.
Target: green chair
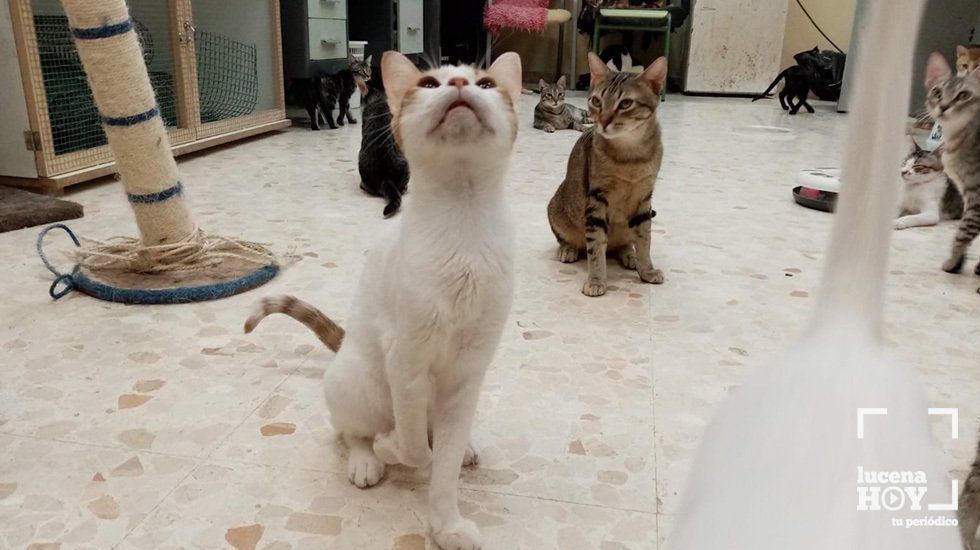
(633, 19)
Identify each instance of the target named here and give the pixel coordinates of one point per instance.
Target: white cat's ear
(936, 69)
(656, 74)
(506, 70)
(597, 69)
(399, 75)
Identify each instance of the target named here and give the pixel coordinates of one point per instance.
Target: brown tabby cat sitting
(603, 206)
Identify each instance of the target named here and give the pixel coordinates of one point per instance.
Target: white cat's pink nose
(458, 81)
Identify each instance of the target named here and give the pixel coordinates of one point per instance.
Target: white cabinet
(735, 45)
(410, 31)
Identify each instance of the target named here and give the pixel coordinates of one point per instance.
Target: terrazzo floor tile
(80, 496)
(591, 413)
(297, 509)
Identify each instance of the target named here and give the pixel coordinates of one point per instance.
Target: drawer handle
(329, 42)
(412, 29)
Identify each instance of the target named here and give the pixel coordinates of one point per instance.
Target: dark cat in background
(321, 94)
(797, 87)
(799, 81)
(383, 169)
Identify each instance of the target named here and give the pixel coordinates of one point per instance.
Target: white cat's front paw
(387, 449)
(460, 535)
(364, 470)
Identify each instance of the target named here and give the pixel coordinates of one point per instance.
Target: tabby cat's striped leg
(968, 230)
(968, 511)
(596, 239)
(640, 228)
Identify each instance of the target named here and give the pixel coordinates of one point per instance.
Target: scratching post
(173, 260)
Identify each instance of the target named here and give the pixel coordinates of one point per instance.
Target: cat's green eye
(595, 101)
(428, 82)
(626, 104)
(963, 96)
(486, 83)
(936, 92)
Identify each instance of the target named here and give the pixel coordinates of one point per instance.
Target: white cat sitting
(435, 291)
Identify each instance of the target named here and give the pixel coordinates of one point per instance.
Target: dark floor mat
(20, 209)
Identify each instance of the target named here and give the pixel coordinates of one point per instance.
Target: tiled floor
(166, 427)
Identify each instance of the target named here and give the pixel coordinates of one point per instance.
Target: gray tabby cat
(968, 511)
(928, 195)
(954, 102)
(604, 203)
(552, 113)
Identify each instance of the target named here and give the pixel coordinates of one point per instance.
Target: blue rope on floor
(59, 278)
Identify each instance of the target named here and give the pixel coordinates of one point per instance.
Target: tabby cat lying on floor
(928, 195)
(604, 203)
(552, 113)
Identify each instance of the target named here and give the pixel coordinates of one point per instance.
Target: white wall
(15, 159)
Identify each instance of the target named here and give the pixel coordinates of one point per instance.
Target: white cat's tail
(329, 332)
(806, 454)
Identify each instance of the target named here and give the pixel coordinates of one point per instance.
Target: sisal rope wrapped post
(110, 51)
(173, 260)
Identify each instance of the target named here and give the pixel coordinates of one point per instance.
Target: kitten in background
(967, 59)
(552, 113)
(953, 102)
(603, 205)
(927, 194)
(337, 89)
(435, 291)
(383, 169)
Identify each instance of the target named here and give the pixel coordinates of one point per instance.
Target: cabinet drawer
(327, 9)
(410, 34)
(328, 38)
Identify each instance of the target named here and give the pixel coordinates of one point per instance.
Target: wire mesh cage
(227, 76)
(73, 117)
